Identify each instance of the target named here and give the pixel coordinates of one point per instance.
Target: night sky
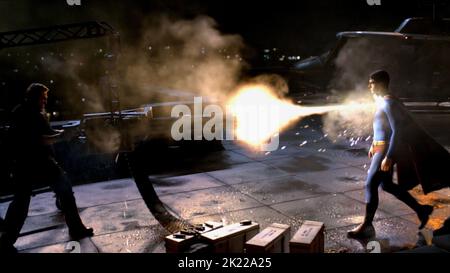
(295, 26)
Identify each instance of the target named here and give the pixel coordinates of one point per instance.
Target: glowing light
(259, 114)
(379, 101)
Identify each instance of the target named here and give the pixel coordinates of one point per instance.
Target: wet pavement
(321, 180)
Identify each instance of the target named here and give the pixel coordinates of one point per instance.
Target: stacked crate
(245, 237)
(308, 239)
(181, 241)
(273, 239)
(231, 238)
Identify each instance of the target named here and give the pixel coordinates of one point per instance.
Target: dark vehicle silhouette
(417, 56)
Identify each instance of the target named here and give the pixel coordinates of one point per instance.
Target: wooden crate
(309, 238)
(179, 245)
(273, 239)
(231, 238)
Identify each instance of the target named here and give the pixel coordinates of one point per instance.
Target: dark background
(296, 26)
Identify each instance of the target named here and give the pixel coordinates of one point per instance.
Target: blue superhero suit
(386, 128)
(419, 159)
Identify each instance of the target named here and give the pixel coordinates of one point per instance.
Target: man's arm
(48, 134)
(394, 123)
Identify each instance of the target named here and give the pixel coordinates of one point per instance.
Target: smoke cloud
(354, 124)
(355, 61)
(183, 55)
(83, 90)
(173, 60)
(274, 82)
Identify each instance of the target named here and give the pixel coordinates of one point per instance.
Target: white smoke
(185, 55)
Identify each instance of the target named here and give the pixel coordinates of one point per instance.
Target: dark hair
(34, 92)
(381, 76)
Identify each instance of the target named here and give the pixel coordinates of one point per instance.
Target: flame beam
(259, 114)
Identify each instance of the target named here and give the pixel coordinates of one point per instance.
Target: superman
(399, 140)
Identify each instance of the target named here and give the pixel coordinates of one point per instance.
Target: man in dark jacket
(33, 160)
(399, 140)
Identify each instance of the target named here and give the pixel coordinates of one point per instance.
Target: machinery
(134, 135)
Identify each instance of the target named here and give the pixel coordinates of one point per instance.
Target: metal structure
(69, 32)
(58, 33)
(89, 30)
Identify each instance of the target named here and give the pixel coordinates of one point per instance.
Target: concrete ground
(318, 180)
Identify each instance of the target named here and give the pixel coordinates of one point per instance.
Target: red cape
(419, 158)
